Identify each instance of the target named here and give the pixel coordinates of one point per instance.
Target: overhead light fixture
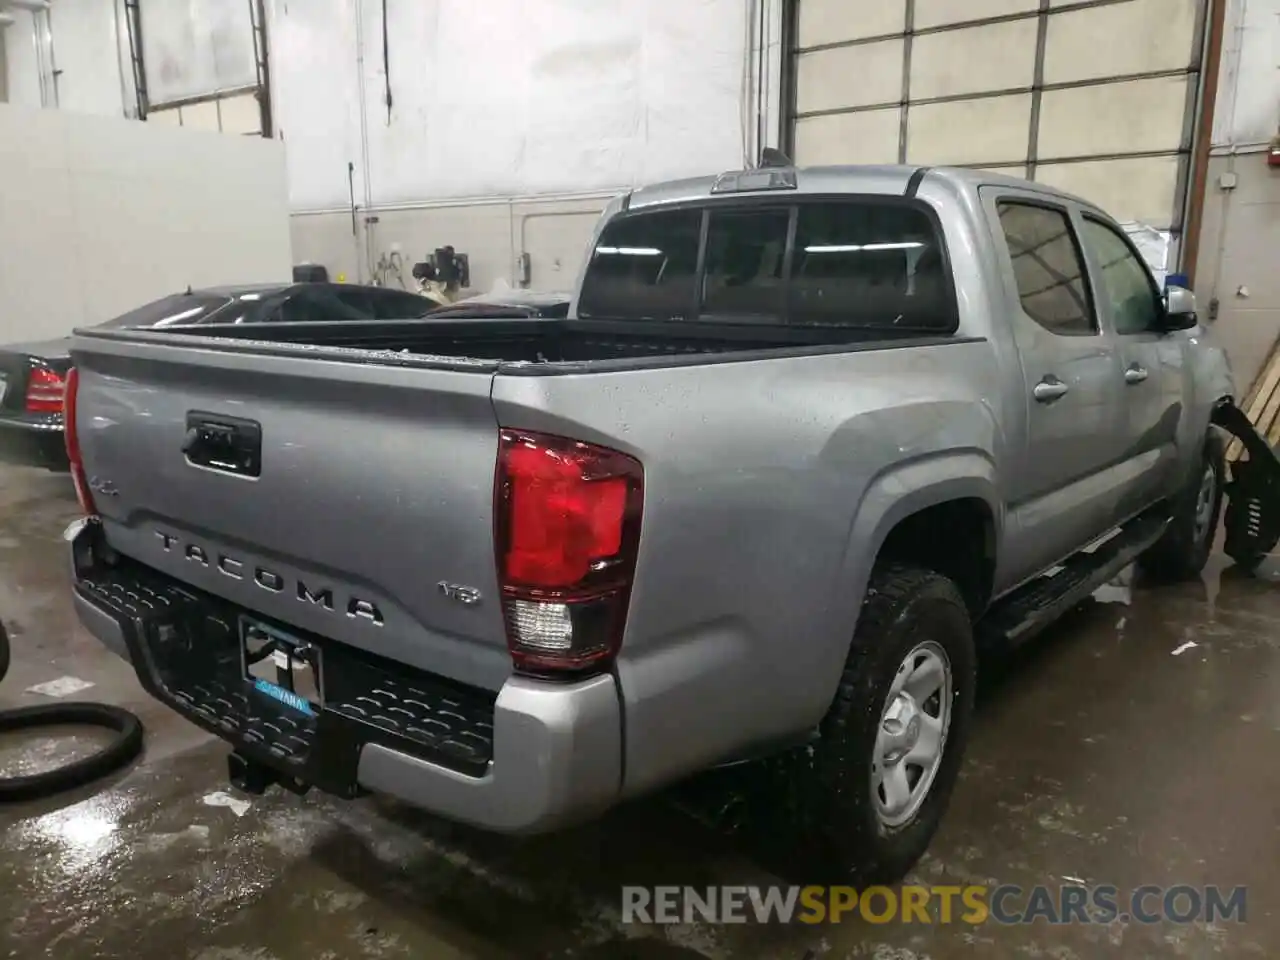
(630, 251)
(861, 247)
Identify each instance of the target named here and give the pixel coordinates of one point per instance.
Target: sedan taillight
(44, 391)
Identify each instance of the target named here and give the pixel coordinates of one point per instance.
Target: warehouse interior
(149, 149)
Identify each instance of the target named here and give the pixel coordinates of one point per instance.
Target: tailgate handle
(225, 444)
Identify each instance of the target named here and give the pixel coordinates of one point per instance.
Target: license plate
(281, 666)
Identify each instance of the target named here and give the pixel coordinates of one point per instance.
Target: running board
(1015, 619)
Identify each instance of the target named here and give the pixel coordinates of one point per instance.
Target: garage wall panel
(1141, 188)
(242, 114)
(1121, 39)
(867, 136)
(933, 13)
(1136, 116)
(969, 132)
(854, 76)
(1019, 171)
(828, 21)
(973, 60)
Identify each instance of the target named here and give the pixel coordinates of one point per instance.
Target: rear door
(1151, 362)
(1062, 488)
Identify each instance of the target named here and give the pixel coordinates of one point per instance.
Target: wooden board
(1263, 404)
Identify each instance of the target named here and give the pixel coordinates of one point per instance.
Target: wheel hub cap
(900, 728)
(912, 734)
(1204, 503)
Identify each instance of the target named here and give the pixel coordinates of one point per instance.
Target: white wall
(91, 56)
(512, 121)
(505, 98)
(20, 60)
(1247, 114)
(98, 215)
(1240, 234)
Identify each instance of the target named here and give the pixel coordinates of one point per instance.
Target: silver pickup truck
(809, 440)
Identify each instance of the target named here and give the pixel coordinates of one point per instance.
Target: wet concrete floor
(1109, 752)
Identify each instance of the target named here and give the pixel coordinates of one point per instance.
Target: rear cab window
(854, 263)
(882, 264)
(644, 267)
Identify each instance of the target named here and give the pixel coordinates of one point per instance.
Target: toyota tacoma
(808, 441)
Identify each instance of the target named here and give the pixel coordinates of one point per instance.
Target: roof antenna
(773, 157)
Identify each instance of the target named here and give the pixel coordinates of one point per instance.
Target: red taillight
(568, 529)
(44, 391)
(71, 435)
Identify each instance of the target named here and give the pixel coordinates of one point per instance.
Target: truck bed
(511, 344)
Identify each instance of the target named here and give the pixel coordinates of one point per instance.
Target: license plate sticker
(281, 666)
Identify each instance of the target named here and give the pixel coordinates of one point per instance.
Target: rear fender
(894, 495)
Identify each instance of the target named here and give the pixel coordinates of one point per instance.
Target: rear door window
(1049, 268)
(643, 268)
(868, 264)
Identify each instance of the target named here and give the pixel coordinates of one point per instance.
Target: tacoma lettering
(322, 597)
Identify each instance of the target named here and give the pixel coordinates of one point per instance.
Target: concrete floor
(1097, 754)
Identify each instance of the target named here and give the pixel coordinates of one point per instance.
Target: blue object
(1176, 280)
(287, 697)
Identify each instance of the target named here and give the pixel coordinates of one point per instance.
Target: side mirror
(1179, 309)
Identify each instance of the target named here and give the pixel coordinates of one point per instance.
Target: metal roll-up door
(1097, 97)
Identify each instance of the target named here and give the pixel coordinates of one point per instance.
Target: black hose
(122, 749)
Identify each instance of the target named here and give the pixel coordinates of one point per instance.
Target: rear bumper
(33, 443)
(531, 758)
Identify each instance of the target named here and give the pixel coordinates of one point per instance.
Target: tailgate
(374, 491)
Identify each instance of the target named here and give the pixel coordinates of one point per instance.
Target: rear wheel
(872, 791)
(1184, 549)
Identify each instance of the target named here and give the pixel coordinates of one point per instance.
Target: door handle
(1135, 374)
(1049, 389)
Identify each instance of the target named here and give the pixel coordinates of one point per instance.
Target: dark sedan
(508, 305)
(31, 374)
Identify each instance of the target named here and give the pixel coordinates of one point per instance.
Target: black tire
(844, 836)
(1185, 547)
(122, 749)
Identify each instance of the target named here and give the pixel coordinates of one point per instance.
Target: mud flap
(1253, 492)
